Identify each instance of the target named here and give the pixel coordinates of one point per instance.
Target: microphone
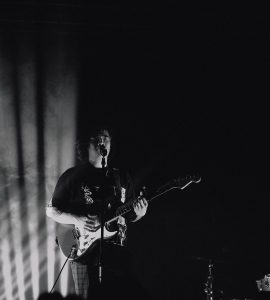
(102, 149)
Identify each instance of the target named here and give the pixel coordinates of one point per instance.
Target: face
(103, 137)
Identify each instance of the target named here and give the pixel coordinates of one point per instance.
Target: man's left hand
(140, 207)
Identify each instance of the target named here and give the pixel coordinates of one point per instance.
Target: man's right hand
(90, 223)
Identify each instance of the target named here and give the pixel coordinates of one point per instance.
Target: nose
(100, 140)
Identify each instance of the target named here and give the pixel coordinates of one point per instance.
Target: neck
(97, 163)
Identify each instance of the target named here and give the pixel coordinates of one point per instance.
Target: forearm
(60, 217)
(137, 218)
(132, 216)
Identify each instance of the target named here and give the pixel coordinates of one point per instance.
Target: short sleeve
(62, 192)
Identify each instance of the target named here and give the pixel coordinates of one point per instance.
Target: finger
(145, 202)
(92, 223)
(87, 228)
(136, 207)
(139, 201)
(135, 204)
(140, 205)
(91, 228)
(92, 217)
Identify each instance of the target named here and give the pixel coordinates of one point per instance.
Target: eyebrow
(105, 135)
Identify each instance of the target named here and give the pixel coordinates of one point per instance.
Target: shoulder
(73, 173)
(123, 175)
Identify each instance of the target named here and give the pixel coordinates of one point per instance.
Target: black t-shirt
(81, 190)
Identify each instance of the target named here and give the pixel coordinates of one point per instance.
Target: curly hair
(82, 150)
(82, 144)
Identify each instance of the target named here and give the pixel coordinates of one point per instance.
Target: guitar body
(68, 237)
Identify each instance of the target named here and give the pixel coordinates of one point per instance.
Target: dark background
(185, 87)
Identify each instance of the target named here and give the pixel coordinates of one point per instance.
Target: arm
(88, 223)
(60, 217)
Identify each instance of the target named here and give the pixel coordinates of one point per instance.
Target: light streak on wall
(28, 251)
(60, 130)
(5, 264)
(51, 254)
(16, 235)
(10, 162)
(6, 269)
(27, 89)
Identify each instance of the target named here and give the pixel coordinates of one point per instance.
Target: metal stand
(209, 283)
(71, 255)
(101, 217)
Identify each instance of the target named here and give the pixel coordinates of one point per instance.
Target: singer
(82, 195)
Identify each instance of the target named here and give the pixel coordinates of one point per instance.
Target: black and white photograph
(134, 150)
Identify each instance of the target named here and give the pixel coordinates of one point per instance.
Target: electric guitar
(75, 244)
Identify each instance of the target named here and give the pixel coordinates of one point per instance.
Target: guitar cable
(71, 254)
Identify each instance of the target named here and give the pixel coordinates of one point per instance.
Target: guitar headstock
(180, 182)
(183, 182)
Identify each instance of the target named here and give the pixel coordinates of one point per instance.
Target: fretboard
(179, 183)
(123, 209)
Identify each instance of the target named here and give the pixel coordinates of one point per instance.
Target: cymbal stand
(209, 283)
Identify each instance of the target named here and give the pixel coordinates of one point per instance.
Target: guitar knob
(73, 251)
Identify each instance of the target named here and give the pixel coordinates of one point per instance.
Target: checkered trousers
(116, 261)
(81, 278)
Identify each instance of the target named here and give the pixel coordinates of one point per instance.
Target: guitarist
(81, 194)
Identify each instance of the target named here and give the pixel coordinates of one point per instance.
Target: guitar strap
(117, 180)
(122, 227)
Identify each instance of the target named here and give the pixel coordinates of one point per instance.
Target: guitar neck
(179, 183)
(123, 209)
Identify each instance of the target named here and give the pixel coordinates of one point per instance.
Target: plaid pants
(115, 269)
(86, 280)
(81, 279)
(115, 284)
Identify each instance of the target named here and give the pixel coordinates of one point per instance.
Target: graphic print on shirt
(87, 194)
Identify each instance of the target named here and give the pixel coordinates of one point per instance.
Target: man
(86, 194)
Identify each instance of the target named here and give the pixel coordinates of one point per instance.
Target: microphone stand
(103, 152)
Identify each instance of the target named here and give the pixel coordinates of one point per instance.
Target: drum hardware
(209, 288)
(209, 283)
(218, 294)
(264, 284)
